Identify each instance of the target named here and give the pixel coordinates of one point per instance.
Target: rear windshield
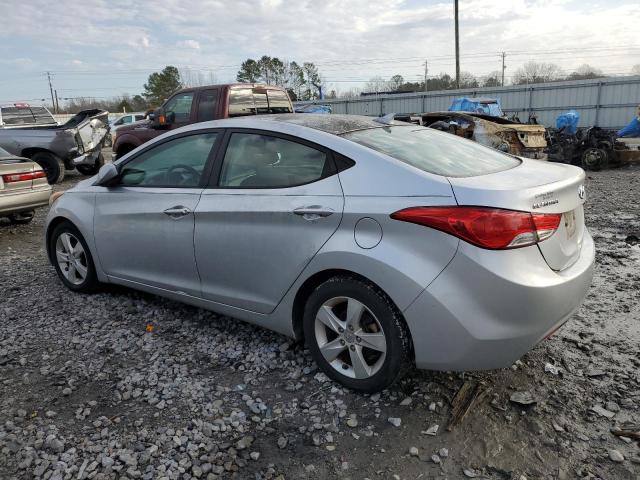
(248, 101)
(26, 116)
(433, 151)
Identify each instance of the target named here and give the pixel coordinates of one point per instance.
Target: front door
(144, 225)
(277, 201)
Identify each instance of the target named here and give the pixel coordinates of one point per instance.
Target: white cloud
(192, 44)
(343, 38)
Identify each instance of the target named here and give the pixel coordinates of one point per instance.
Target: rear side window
(261, 161)
(433, 151)
(207, 105)
(26, 116)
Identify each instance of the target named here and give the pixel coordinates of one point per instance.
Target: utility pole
(53, 102)
(57, 103)
(425, 75)
(503, 54)
(457, 45)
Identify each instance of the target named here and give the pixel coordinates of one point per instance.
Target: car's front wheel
(356, 334)
(72, 258)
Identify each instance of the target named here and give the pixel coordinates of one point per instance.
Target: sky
(99, 48)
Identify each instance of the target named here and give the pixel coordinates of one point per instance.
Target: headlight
(55, 196)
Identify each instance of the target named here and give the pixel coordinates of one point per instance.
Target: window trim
(208, 166)
(214, 179)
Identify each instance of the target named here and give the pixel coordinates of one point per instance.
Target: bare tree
(395, 82)
(537, 72)
(377, 84)
(493, 79)
(197, 78)
(584, 72)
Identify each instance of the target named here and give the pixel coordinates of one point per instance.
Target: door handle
(313, 212)
(177, 212)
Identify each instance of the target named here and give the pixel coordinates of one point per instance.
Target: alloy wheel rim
(71, 258)
(350, 337)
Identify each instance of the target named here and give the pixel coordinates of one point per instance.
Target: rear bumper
(488, 308)
(24, 201)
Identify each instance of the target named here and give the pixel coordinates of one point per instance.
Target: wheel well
(29, 152)
(124, 148)
(54, 223)
(310, 284)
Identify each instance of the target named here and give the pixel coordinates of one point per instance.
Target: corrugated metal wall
(605, 102)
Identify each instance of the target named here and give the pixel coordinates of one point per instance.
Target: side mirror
(107, 174)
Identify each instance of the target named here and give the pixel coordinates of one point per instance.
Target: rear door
(276, 202)
(207, 105)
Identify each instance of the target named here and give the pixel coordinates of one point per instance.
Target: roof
(333, 123)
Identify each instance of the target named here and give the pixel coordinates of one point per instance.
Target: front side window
(178, 163)
(434, 152)
(180, 105)
(261, 161)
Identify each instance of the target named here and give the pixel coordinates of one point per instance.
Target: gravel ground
(127, 385)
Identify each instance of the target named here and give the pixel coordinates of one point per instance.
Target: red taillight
(493, 228)
(23, 177)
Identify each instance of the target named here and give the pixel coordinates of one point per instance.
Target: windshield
(26, 116)
(433, 151)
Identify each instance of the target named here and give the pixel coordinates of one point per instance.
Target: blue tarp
(487, 106)
(631, 130)
(314, 109)
(568, 122)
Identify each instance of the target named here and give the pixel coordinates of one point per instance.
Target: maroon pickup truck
(199, 104)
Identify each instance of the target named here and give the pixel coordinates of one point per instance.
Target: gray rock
(413, 451)
(616, 456)
(282, 442)
(396, 422)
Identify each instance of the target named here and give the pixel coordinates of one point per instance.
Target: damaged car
(33, 133)
(500, 133)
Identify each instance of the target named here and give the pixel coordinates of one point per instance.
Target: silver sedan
(381, 244)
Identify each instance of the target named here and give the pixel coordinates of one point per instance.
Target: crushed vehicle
(592, 147)
(23, 188)
(482, 120)
(33, 133)
(496, 132)
(201, 104)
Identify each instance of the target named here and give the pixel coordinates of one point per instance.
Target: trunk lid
(536, 187)
(15, 166)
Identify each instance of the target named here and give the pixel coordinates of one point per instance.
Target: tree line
(303, 81)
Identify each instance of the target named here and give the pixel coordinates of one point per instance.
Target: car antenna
(386, 119)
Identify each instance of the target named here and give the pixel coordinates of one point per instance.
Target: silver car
(381, 244)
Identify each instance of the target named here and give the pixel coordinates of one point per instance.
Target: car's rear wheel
(90, 170)
(72, 258)
(52, 165)
(22, 217)
(356, 334)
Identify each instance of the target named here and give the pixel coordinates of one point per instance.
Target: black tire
(397, 360)
(123, 150)
(90, 283)
(594, 159)
(21, 218)
(51, 164)
(91, 170)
